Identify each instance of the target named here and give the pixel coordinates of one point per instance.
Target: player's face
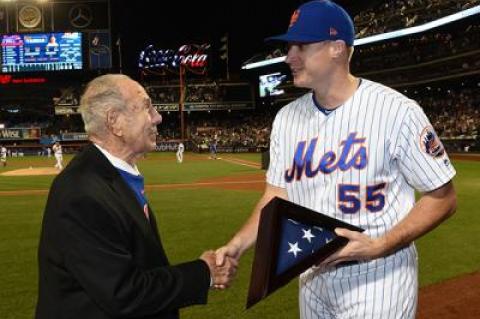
(140, 132)
(310, 63)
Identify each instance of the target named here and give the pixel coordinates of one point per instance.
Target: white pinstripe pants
(384, 291)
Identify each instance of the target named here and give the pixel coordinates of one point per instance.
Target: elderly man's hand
(223, 275)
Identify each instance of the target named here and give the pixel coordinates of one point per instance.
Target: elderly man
(100, 253)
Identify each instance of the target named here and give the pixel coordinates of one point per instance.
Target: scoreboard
(41, 52)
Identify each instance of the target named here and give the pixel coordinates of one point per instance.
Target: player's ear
(338, 48)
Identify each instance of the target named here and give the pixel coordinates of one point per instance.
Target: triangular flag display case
(268, 270)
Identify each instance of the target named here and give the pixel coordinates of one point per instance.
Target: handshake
(222, 268)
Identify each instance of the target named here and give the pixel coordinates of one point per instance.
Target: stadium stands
(439, 68)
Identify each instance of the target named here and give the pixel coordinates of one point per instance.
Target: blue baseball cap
(317, 21)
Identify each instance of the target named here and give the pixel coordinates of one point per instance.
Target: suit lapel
(132, 206)
(103, 167)
(153, 224)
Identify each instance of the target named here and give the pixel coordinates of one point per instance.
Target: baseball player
(57, 151)
(180, 150)
(213, 147)
(355, 150)
(3, 155)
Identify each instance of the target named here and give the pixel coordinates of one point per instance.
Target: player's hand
(229, 250)
(222, 276)
(360, 247)
(227, 256)
(226, 272)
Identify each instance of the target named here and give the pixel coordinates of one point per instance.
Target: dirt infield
(32, 171)
(465, 157)
(253, 181)
(454, 298)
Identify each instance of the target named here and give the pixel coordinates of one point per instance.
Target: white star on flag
(307, 234)
(294, 249)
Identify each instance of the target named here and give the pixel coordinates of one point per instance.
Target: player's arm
(247, 235)
(431, 210)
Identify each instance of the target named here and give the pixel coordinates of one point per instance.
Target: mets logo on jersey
(330, 161)
(430, 143)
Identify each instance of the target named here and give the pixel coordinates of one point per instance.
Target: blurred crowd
(239, 130)
(206, 92)
(417, 49)
(225, 129)
(454, 113)
(69, 96)
(398, 14)
(165, 94)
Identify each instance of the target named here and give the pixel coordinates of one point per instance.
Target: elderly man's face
(140, 133)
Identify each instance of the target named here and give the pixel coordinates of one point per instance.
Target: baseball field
(199, 204)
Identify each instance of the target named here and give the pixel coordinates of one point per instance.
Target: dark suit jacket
(99, 257)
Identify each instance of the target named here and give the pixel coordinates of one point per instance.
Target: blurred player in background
(3, 155)
(213, 147)
(57, 150)
(180, 150)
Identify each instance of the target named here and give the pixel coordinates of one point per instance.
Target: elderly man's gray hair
(102, 94)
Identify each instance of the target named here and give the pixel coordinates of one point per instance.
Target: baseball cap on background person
(317, 21)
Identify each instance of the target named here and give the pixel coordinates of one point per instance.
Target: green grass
(253, 157)
(163, 169)
(452, 248)
(193, 220)
(20, 219)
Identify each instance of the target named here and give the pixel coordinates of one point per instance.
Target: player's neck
(336, 92)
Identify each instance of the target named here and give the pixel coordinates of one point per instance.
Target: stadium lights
(264, 63)
(389, 35)
(420, 28)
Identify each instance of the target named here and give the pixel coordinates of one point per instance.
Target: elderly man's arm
(98, 253)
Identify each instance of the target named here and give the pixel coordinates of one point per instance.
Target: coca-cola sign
(191, 56)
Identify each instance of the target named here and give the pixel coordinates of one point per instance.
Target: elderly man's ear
(114, 122)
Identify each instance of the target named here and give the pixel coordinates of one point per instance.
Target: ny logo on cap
(294, 18)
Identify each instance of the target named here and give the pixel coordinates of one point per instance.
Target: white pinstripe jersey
(360, 163)
(57, 149)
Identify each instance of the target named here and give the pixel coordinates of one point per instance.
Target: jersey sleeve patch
(430, 142)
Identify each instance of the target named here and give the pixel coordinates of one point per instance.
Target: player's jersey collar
(325, 111)
(320, 107)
